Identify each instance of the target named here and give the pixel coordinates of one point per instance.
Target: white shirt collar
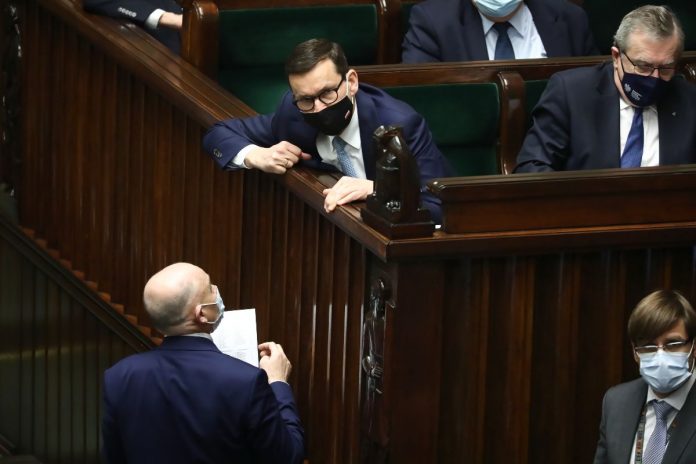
(623, 105)
(199, 334)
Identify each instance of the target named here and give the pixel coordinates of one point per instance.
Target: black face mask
(332, 119)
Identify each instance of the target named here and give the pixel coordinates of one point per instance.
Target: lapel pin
(674, 113)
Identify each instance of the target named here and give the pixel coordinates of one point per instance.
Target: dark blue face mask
(640, 90)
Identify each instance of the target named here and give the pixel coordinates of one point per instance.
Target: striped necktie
(346, 164)
(633, 150)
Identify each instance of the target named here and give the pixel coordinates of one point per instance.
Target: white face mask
(664, 371)
(497, 8)
(221, 309)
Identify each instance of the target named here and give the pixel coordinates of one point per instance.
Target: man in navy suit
(468, 30)
(161, 18)
(326, 122)
(187, 402)
(653, 419)
(630, 112)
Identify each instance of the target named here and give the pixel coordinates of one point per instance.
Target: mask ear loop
(691, 358)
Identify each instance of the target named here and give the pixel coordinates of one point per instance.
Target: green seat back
(533, 91)
(254, 44)
(605, 16)
(464, 121)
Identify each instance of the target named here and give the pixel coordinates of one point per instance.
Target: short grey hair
(166, 313)
(658, 22)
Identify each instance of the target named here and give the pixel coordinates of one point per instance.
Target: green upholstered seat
(254, 44)
(464, 120)
(533, 90)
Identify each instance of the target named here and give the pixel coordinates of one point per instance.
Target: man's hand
(274, 362)
(171, 20)
(346, 190)
(276, 159)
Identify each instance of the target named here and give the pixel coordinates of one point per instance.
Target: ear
(352, 78)
(198, 315)
(635, 356)
(615, 57)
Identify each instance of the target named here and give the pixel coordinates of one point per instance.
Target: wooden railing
(57, 337)
(463, 329)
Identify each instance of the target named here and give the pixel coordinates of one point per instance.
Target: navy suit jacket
(621, 411)
(186, 402)
(576, 123)
(375, 107)
(451, 30)
(138, 11)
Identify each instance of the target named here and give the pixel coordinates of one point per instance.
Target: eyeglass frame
(676, 345)
(672, 69)
(314, 98)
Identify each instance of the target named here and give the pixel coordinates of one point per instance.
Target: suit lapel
(684, 430)
(368, 122)
(549, 28)
(606, 119)
(633, 406)
(474, 39)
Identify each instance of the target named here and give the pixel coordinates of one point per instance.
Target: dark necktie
(633, 150)
(655, 450)
(346, 164)
(503, 46)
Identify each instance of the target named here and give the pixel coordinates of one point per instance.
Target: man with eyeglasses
(652, 420)
(326, 121)
(628, 113)
(187, 402)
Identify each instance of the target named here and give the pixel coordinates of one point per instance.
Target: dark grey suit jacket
(451, 30)
(621, 411)
(576, 123)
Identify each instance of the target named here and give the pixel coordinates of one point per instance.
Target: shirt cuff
(241, 156)
(152, 21)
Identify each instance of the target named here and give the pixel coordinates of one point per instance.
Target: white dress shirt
(523, 34)
(651, 133)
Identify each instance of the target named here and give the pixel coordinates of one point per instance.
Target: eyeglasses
(671, 347)
(646, 69)
(327, 97)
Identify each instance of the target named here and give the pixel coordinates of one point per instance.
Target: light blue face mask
(497, 8)
(663, 371)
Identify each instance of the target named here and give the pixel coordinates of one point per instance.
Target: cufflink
(217, 153)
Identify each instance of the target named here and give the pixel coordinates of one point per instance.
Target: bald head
(171, 295)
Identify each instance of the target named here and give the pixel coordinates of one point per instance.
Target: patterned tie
(503, 47)
(633, 150)
(346, 165)
(658, 440)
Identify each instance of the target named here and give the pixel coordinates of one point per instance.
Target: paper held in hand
(236, 335)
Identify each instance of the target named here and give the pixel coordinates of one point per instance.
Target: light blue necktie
(503, 46)
(633, 150)
(655, 450)
(346, 165)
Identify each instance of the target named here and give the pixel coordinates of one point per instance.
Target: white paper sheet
(236, 335)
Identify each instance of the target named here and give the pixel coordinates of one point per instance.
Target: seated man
(629, 112)
(467, 30)
(160, 18)
(186, 401)
(653, 419)
(326, 122)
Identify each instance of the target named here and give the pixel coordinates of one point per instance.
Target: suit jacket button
(217, 153)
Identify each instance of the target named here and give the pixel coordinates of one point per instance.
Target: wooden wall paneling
(554, 371)
(67, 335)
(56, 108)
(412, 359)
(39, 426)
(161, 238)
(92, 389)
(52, 385)
(136, 198)
(192, 202)
(26, 349)
(316, 419)
(279, 263)
(79, 381)
(10, 343)
(292, 294)
(509, 356)
(122, 182)
(463, 391)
